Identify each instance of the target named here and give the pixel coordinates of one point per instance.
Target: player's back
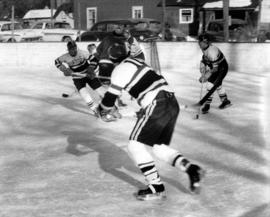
(102, 48)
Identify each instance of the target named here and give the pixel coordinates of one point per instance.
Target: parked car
(239, 31)
(16, 34)
(141, 29)
(55, 31)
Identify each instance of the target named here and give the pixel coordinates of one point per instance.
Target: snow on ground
(58, 161)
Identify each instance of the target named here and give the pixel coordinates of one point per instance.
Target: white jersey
(212, 57)
(78, 63)
(138, 79)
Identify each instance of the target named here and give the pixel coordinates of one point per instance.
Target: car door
(50, 33)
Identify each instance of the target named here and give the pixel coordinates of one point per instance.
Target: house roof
(184, 3)
(38, 13)
(209, 3)
(66, 7)
(232, 4)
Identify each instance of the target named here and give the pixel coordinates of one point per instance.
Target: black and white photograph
(134, 108)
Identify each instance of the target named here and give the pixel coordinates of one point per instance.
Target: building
(86, 12)
(188, 16)
(238, 9)
(34, 15)
(62, 11)
(265, 16)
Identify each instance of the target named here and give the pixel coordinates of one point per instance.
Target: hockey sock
(145, 161)
(101, 91)
(150, 172)
(85, 95)
(222, 93)
(210, 98)
(181, 163)
(92, 105)
(170, 156)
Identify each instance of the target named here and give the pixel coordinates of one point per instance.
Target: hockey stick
(197, 115)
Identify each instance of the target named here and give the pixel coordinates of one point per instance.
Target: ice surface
(56, 160)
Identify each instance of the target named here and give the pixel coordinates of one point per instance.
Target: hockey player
(76, 63)
(154, 127)
(105, 64)
(91, 49)
(133, 46)
(213, 68)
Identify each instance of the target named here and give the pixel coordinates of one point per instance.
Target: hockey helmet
(71, 44)
(117, 52)
(204, 38)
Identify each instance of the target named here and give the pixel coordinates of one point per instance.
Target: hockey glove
(90, 73)
(202, 79)
(66, 71)
(106, 115)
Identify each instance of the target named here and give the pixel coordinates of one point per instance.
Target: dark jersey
(106, 43)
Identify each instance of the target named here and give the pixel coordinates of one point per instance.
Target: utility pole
(79, 18)
(52, 7)
(164, 19)
(12, 23)
(259, 16)
(226, 5)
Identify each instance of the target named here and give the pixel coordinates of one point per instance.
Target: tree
(21, 7)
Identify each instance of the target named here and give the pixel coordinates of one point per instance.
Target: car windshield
(8, 26)
(37, 26)
(152, 25)
(62, 25)
(141, 25)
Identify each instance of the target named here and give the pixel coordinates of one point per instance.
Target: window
(186, 15)
(38, 26)
(6, 27)
(62, 26)
(101, 27)
(137, 12)
(91, 16)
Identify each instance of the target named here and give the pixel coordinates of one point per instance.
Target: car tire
(11, 40)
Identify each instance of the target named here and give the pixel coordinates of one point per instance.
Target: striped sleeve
(58, 62)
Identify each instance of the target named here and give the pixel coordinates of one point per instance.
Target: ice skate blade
(148, 197)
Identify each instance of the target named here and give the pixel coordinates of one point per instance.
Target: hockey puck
(65, 95)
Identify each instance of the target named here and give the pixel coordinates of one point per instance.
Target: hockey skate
(115, 112)
(195, 174)
(205, 108)
(153, 192)
(225, 104)
(121, 103)
(94, 111)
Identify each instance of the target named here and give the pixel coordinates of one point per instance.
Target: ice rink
(58, 161)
